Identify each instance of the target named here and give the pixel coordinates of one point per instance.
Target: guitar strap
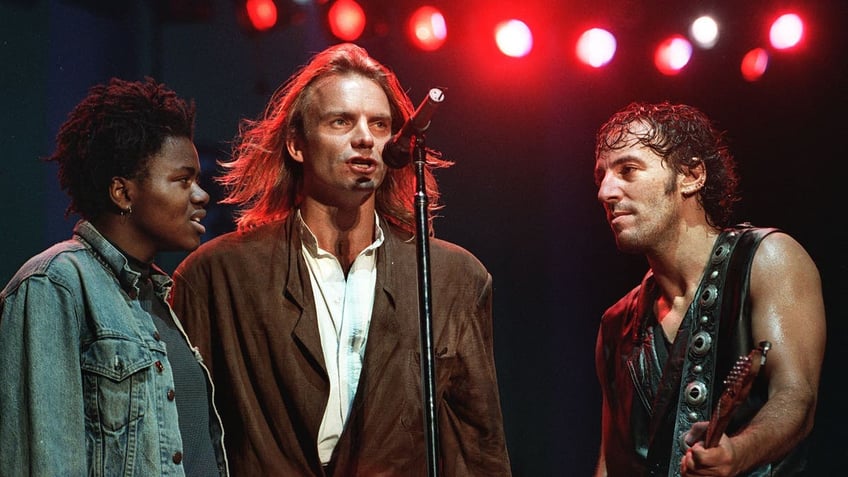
(719, 313)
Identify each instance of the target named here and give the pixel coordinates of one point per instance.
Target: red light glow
(427, 29)
(347, 20)
(514, 38)
(754, 64)
(786, 31)
(596, 47)
(672, 55)
(262, 14)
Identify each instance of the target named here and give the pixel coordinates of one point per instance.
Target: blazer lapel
(298, 291)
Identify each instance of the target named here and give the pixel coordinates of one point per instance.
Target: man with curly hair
(713, 292)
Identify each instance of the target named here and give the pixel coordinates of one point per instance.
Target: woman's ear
(119, 193)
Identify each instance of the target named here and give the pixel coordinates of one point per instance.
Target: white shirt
(344, 306)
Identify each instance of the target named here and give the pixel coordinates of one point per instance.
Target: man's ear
(294, 144)
(694, 179)
(119, 193)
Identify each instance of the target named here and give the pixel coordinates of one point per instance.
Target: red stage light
(754, 64)
(596, 47)
(427, 29)
(261, 13)
(514, 38)
(786, 31)
(347, 20)
(672, 55)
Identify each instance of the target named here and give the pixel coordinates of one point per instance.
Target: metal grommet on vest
(708, 296)
(701, 343)
(696, 393)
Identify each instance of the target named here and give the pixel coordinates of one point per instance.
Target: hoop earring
(126, 212)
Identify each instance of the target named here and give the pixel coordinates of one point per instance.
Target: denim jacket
(85, 379)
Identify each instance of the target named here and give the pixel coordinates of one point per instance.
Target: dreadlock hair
(114, 131)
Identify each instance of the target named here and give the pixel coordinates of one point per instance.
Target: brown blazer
(246, 302)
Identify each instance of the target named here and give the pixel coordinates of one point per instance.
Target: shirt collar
(310, 242)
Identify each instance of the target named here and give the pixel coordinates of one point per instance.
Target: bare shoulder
(786, 291)
(780, 253)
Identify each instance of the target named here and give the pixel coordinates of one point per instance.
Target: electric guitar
(737, 386)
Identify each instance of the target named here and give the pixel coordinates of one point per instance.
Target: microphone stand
(425, 313)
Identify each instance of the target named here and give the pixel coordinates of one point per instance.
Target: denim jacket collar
(117, 263)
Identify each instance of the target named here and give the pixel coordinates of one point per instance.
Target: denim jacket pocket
(116, 376)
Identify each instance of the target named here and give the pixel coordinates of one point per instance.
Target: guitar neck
(737, 386)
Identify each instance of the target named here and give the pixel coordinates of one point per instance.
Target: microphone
(397, 152)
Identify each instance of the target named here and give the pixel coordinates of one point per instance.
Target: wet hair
(266, 182)
(114, 131)
(682, 136)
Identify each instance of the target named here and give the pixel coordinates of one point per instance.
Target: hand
(696, 433)
(700, 461)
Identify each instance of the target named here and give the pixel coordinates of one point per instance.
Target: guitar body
(737, 386)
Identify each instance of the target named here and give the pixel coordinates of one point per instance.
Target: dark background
(521, 132)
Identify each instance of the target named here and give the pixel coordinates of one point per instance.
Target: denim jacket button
(171, 394)
(159, 366)
(178, 457)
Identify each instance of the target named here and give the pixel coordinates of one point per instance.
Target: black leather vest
(653, 402)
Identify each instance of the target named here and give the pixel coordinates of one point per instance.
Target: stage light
(261, 13)
(704, 32)
(346, 19)
(596, 47)
(786, 31)
(514, 38)
(427, 29)
(754, 64)
(672, 55)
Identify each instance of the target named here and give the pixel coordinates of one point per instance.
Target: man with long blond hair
(307, 315)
